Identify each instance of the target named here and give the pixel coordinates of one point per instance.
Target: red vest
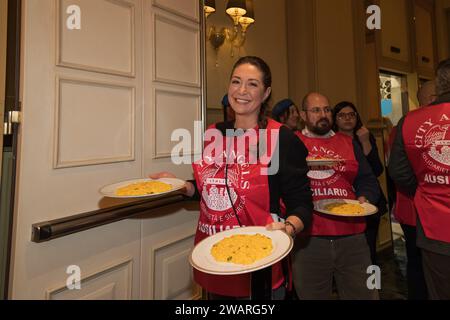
(426, 135)
(335, 183)
(404, 209)
(250, 194)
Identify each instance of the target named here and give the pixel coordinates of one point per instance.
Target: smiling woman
(241, 193)
(249, 90)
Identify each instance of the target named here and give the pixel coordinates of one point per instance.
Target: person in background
(348, 121)
(426, 94)
(405, 213)
(286, 112)
(238, 194)
(419, 165)
(336, 247)
(228, 113)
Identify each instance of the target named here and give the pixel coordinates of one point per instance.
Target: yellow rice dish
(345, 208)
(143, 188)
(242, 249)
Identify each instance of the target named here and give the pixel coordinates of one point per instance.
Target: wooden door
(395, 36)
(425, 38)
(103, 83)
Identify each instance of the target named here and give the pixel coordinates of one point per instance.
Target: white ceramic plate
(322, 162)
(369, 209)
(110, 190)
(202, 260)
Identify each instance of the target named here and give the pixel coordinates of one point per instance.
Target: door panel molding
(184, 238)
(172, 267)
(176, 62)
(90, 46)
(122, 268)
(189, 11)
(161, 129)
(127, 127)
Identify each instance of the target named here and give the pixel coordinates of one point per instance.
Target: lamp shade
(210, 6)
(236, 8)
(248, 18)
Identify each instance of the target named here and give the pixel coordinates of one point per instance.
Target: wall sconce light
(236, 9)
(242, 14)
(210, 7)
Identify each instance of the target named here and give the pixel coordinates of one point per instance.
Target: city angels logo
(215, 194)
(216, 197)
(436, 138)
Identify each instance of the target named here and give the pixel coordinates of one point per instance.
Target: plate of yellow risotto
(141, 188)
(345, 208)
(240, 250)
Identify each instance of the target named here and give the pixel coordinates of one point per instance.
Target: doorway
(10, 12)
(394, 96)
(394, 105)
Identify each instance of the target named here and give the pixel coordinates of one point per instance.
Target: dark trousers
(317, 261)
(373, 224)
(417, 288)
(436, 268)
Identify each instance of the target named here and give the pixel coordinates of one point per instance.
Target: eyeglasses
(317, 110)
(348, 115)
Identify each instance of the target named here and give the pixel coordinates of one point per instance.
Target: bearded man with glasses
(333, 247)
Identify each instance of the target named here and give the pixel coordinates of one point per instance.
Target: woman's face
(292, 120)
(246, 92)
(346, 119)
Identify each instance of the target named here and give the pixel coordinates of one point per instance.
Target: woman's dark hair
(267, 81)
(286, 114)
(339, 107)
(443, 77)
